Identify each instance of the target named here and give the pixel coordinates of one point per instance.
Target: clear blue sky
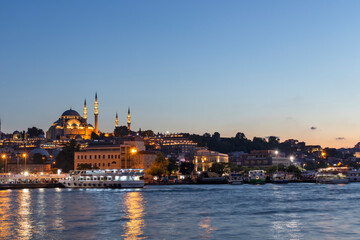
(258, 67)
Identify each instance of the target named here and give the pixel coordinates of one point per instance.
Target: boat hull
(333, 181)
(257, 181)
(103, 184)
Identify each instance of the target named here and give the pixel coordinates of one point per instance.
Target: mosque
(71, 125)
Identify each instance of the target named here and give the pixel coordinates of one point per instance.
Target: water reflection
(205, 228)
(24, 213)
(5, 225)
(134, 210)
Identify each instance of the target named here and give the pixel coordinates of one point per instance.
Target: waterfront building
(261, 158)
(127, 154)
(175, 145)
(204, 159)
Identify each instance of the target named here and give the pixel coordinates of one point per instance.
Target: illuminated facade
(204, 159)
(72, 126)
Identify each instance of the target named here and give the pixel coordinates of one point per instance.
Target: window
(99, 156)
(112, 156)
(85, 156)
(99, 165)
(82, 156)
(78, 157)
(108, 164)
(103, 156)
(90, 156)
(113, 162)
(95, 156)
(103, 164)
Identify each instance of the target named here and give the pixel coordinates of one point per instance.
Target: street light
(24, 156)
(292, 158)
(133, 151)
(4, 158)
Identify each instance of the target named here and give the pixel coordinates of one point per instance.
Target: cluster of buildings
(19, 153)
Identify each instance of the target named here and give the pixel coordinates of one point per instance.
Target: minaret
(85, 111)
(128, 119)
(116, 121)
(96, 113)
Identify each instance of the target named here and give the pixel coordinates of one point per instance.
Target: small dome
(70, 112)
(39, 150)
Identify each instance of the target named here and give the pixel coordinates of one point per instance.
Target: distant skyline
(265, 68)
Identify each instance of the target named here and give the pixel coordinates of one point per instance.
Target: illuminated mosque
(71, 125)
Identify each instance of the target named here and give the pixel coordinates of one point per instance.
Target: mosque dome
(41, 151)
(70, 112)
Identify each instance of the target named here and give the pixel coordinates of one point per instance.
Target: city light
(3, 156)
(133, 150)
(26, 173)
(292, 158)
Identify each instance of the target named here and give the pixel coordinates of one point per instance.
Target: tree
(240, 136)
(86, 166)
(218, 168)
(94, 136)
(186, 168)
(159, 167)
(121, 131)
(34, 132)
(65, 159)
(271, 169)
(172, 165)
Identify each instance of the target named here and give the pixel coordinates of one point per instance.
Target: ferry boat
(109, 178)
(331, 178)
(236, 179)
(280, 178)
(257, 176)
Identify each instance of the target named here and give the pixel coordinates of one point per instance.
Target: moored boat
(280, 178)
(236, 179)
(331, 178)
(109, 178)
(257, 176)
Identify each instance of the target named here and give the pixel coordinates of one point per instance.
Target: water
(292, 211)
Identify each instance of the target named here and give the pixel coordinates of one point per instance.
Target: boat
(257, 176)
(280, 178)
(109, 178)
(353, 175)
(331, 178)
(236, 179)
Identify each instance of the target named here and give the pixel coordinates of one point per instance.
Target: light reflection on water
(292, 211)
(24, 213)
(133, 229)
(5, 224)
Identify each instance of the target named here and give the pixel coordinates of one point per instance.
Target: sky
(265, 68)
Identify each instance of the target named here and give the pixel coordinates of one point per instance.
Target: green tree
(65, 159)
(271, 169)
(218, 168)
(86, 166)
(94, 136)
(186, 168)
(159, 167)
(34, 132)
(121, 131)
(172, 165)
